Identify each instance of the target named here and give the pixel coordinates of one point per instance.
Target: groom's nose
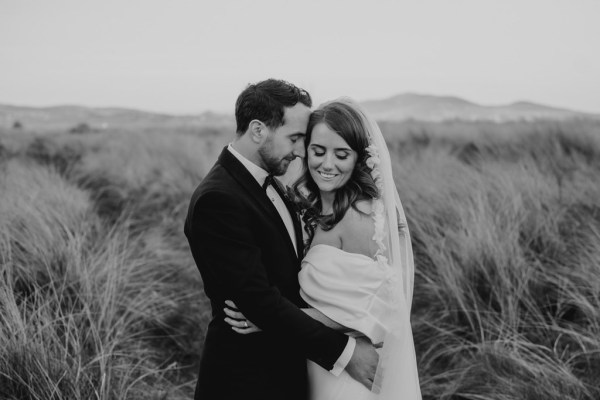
(299, 150)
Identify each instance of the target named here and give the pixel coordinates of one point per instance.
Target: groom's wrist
(344, 358)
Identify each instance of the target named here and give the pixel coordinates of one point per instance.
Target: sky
(189, 56)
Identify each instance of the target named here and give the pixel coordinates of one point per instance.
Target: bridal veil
(397, 375)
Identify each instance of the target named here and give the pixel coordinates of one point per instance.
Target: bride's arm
(240, 324)
(325, 320)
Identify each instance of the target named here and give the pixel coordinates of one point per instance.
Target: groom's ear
(257, 130)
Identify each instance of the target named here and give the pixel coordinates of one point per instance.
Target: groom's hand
(363, 364)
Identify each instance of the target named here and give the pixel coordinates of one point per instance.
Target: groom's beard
(274, 165)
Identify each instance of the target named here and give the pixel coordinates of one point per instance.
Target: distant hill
(408, 106)
(60, 118)
(439, 108)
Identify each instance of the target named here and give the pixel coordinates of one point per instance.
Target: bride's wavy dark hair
(346, 122)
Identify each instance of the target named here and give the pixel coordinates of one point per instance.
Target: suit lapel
(296, 221)
(298, 231)
(251, 186)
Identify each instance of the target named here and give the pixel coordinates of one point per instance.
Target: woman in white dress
(357, 274)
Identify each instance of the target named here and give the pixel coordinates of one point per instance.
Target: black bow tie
(271, 180)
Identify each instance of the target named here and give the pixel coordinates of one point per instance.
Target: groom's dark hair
(265, 101)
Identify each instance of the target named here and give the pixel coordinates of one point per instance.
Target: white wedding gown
(356, 291)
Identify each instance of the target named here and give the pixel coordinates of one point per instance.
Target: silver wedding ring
(245, 324)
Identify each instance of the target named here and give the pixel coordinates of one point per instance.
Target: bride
(357, 274)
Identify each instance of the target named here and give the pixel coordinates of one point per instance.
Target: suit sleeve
(230, 255)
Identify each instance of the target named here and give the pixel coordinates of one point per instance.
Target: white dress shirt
(260, 175)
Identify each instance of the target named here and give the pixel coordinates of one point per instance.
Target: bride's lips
(326, 176)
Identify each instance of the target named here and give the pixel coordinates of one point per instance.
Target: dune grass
(507, 247)
(100, 299)
(95, 304)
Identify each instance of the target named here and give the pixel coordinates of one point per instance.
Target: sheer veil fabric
(397, 375)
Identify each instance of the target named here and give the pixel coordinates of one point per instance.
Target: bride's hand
(236, 319)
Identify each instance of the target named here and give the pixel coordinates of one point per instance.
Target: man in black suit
(247, 243)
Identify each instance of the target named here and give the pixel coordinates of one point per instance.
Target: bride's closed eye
(339, 156)
(317, 152)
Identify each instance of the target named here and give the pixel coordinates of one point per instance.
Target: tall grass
(507, 244)
(100, 299)
(91, 306)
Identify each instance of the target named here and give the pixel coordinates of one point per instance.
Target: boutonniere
(290, 197)
(293, 200)
(286, 191)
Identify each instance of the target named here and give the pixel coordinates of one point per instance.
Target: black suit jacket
(244, 253)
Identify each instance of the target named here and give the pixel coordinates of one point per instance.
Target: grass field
(100, 298)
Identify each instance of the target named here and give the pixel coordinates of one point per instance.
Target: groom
(247, 243)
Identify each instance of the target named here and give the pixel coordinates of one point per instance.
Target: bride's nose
(327, 162)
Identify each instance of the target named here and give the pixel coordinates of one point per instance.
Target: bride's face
(330, 159)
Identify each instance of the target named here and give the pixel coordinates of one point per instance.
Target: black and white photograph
(317, 200)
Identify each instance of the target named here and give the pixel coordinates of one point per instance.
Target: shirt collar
(257, 172)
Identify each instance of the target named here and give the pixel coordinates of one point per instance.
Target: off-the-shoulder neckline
(343, 251)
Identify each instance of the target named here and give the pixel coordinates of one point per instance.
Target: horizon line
(213, 111)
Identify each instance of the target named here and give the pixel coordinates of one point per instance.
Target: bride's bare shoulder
(357, 227)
